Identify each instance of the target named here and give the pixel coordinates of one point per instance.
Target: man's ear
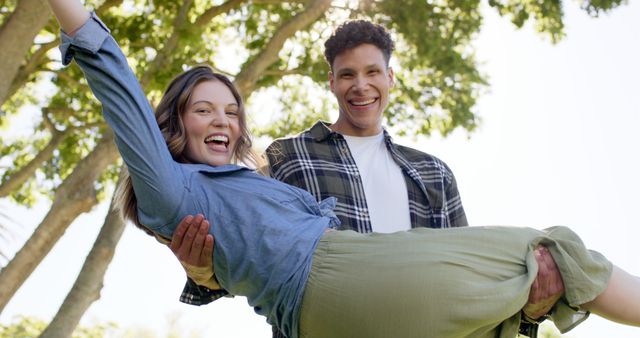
(392, 79)
(330, 77)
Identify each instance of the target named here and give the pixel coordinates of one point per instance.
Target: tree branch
(16, 36)
(214, 11)
(162, 57)
(250, 73)
(282, 73)
(18, 178)
(87, 286)
(37, 59)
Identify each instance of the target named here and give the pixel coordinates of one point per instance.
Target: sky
(556, 146)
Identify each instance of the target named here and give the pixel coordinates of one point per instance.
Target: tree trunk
(86, 289)
(28, 171)
(74, 196)
(19, 31)
(22, 26)
(246, 79)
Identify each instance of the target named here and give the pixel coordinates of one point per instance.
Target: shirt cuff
(90, 36)
(566, 317)
(194, 294)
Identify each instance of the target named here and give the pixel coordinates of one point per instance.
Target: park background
(557, 144)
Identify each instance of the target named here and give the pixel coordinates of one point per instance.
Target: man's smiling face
(361, 80)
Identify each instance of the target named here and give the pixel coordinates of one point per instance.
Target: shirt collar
(320, 131)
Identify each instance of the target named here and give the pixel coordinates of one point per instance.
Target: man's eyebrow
(351, 70)
(373, 66)
(345, 70)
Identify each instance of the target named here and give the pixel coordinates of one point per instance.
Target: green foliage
(24, 327)
(19, 153)
(297, 110)
(438, 81)
(6, 7)
(547, 14)
(595, 7)
(29, 327)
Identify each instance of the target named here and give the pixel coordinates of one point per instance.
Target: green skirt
(460, 282)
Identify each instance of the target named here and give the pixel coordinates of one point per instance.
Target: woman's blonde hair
(169, 117)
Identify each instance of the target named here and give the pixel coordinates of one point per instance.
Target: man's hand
(192, 243)
(547, 287)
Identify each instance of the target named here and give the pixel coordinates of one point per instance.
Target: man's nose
(360, 83)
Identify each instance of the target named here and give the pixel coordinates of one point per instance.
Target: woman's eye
(202, 111)
(234, 113)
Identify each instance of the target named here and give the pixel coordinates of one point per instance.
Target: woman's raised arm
(71, 14)
(158, 181)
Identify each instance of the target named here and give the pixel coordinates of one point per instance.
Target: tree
(18, 31)
(70, 157)
(30, 327)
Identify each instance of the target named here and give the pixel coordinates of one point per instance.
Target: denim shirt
(265, 230)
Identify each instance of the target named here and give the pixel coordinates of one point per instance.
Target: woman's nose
(220, 119)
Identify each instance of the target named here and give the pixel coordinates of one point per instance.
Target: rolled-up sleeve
(94, 32)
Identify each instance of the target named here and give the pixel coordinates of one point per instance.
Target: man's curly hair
(352, 34)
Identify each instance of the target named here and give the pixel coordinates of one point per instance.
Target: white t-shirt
(384, 186)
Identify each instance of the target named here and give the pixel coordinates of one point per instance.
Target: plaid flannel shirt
(319, 161)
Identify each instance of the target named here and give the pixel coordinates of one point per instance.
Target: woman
(274, 243)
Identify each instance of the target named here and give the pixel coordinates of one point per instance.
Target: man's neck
(350, 130)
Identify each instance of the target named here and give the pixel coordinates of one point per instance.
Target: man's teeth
(363, 103)
(217, 138)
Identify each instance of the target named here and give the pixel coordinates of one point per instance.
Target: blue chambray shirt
(265, 230)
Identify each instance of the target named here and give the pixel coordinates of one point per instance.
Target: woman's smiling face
(211, 123)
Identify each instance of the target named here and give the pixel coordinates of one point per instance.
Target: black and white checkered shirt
(319, 161)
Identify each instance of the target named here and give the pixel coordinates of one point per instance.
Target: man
(379, 185)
